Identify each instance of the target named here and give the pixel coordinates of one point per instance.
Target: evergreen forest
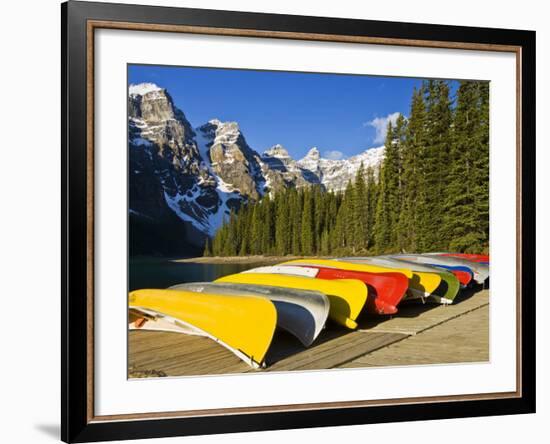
(431, 192)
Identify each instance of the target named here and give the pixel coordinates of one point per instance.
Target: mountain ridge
(200, 174)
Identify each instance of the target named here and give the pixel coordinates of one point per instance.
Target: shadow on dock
(416, 309)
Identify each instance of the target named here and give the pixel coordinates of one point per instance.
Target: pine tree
(339, 231)
(256, 230)
(245, 222)
(266, 224)
(282, 225)
(307, 225)
(295, 200)
(230, 244)
(400, 137)
(389, 195)
(481, 164)
(343, 221)
(370, 206)
(207, 252)
(360, 212)
(413, 189)
(399, 140)
(218, 243)
(325, 248)
(468, 174)
(435, 162)
(319, 203)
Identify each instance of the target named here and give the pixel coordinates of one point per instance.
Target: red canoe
(470, 257)
(385, 289)
(463, 276)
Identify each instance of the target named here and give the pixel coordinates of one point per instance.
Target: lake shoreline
(242, 259)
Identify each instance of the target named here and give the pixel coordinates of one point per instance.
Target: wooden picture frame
(79, 22)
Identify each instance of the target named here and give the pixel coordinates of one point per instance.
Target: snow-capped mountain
(281, 170)
(229, 158)
(184, 181)
(335, 174)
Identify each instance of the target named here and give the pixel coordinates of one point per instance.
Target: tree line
(431, 192)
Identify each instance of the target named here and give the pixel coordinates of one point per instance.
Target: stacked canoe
(242, 311)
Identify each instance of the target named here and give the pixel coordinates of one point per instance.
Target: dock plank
(462, 339)
(334, 355)
(414, 318)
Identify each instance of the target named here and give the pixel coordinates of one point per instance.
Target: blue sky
(342, 115)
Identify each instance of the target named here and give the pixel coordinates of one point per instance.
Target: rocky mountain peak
(335, 174)
(143, 88)
(154, 119)
(313, 154)
(225, 149)
(277, 151)
(150, 103)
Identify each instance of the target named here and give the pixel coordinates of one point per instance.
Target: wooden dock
(418, 334)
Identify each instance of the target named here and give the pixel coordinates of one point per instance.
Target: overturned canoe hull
(480, 271)
(418, 287)
(343, 264)
(385, 289)
(421, 284)
(347, 297)
(464, 277)
(463, 274)
(229, 320)
(447, 289)
(302, 313)
(482, 258)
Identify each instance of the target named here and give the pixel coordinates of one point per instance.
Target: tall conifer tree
(462, 225)
(388, 198)
(282, 228)
(412, 199)
(360, 208)
(307, 225)
(370, 206)
(296, 221)
(435, 163)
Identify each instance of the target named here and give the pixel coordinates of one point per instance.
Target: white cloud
(380, 124)
(333, 155)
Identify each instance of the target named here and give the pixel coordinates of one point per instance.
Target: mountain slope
(184, 181)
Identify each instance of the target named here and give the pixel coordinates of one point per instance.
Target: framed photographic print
(276, 221)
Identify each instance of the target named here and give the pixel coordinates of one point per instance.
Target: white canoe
(302, 313)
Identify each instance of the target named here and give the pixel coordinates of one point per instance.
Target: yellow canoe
(347, 296)
(243, 324)
(420, 284)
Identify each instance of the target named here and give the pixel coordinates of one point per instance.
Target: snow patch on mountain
(334, 175)
(276, 151)
(143, 88)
